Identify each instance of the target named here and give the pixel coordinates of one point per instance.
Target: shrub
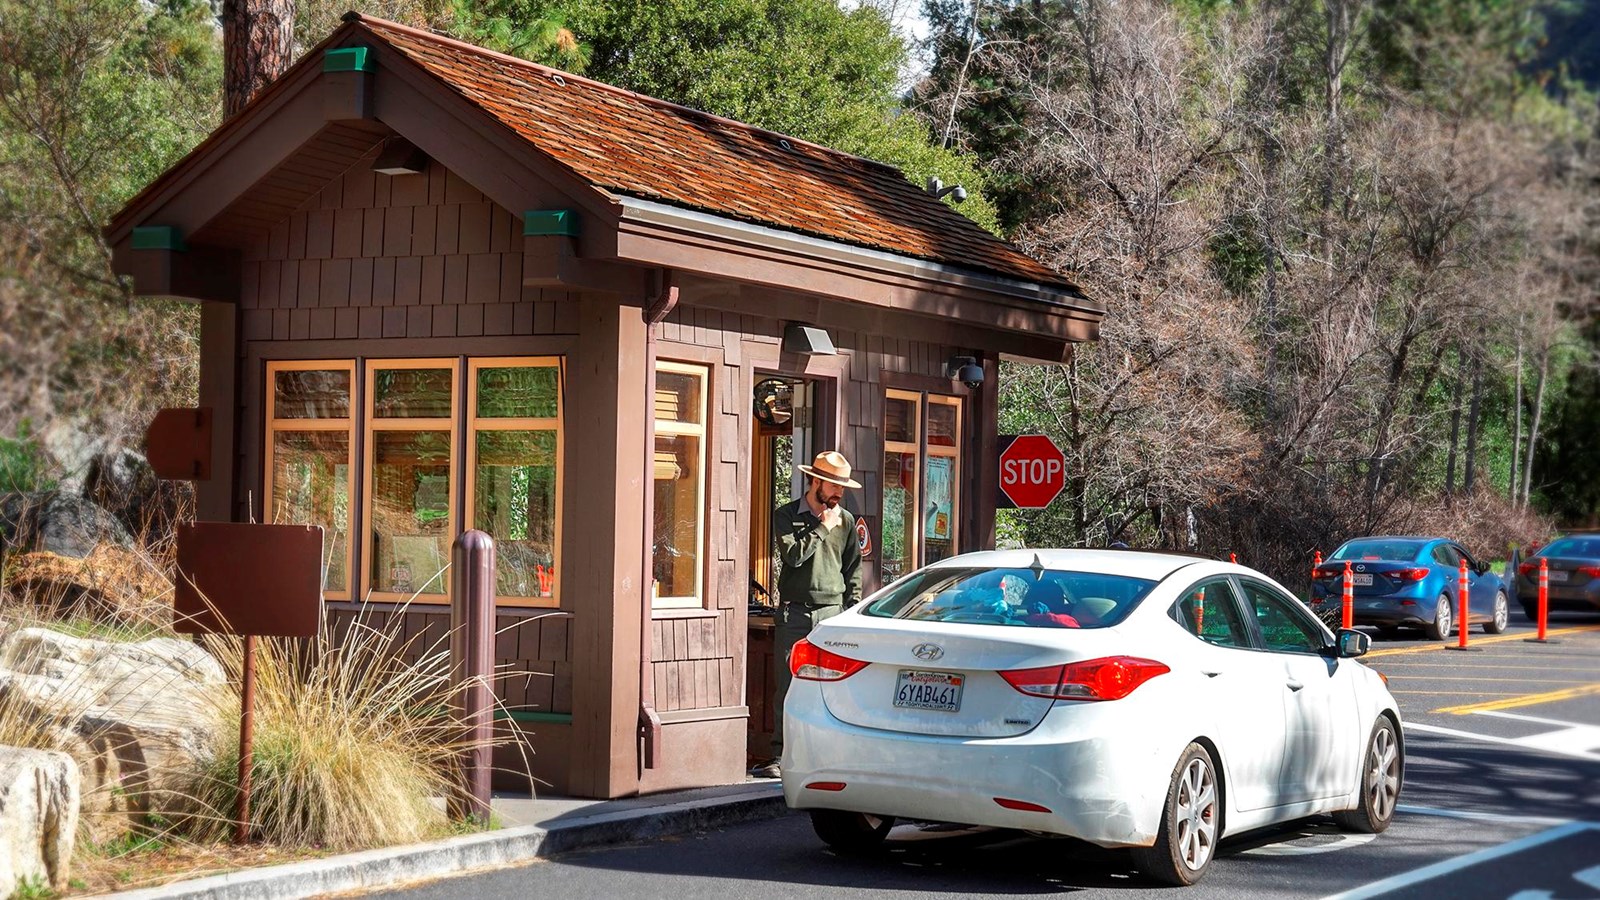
(353, 742)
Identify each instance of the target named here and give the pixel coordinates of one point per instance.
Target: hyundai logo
(927, 652)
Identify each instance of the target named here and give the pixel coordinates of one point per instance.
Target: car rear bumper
(1367, 611)
(1562, 598)
(1102, 785)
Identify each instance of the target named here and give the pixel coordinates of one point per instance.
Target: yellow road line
(1495, 678)
(1457, 693)
(1480, 640)
(1524, 700)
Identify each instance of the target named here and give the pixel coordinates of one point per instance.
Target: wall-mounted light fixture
(400, 157)
(807, 340)
(965, 369)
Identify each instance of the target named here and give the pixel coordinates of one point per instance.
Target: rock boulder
(122, 483)
(57, 522)
(139, 718)
(38, 817)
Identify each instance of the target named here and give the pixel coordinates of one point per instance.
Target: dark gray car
(1573, 563)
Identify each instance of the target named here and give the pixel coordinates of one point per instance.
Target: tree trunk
(1533, 427)
(257, 47)
(1516, 410)
(1470, 464)
(1455, 426)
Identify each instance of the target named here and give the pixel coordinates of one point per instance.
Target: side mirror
(1353, 643)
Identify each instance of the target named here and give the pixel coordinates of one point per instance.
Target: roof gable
(629, 144)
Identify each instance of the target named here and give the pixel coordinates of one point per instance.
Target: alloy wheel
(1196, 814)
(1502, 612)
(1383, 774)
(1444, 617)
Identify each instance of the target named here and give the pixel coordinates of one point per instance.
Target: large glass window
(410, 488)
(307, 459)
(680, 483)
(417, 416)
(1029, 598)
(921, 481)
(513, 447)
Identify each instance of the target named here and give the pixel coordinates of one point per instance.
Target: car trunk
(1565, 572)
(954, 690)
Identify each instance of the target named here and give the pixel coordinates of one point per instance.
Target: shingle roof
(629, 144)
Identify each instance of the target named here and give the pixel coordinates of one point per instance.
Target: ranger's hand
(830, 518)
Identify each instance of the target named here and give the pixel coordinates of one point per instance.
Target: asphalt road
(1502, 800)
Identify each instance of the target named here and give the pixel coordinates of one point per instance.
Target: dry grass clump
(352, 741)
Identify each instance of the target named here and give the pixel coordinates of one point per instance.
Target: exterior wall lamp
(807, 340)
(400, 157)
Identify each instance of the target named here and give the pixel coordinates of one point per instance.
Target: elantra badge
(927, 652)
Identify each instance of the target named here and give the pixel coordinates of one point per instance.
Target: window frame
(275, 425)
(702, 431)
(474, 424)
(922, 451)
(370, 428)
(1234, 599)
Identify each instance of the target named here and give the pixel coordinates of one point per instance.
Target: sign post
(282, 564)
(1032, 472)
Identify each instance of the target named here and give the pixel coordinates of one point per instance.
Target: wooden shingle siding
(533, 653)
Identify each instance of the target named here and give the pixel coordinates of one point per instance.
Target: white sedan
(1129, 699)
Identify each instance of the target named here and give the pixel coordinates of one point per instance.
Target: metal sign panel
(178, 444)
(248, 579)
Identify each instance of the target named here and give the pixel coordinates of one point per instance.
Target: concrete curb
(395, 866)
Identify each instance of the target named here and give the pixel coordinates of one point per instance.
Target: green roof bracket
(349, 59)
(158, 237)
(549, 222)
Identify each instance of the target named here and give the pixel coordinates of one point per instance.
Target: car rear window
(1028, 598)
(1401, 550)
(1583, 547)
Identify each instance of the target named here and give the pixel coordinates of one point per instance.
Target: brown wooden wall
(406, 266)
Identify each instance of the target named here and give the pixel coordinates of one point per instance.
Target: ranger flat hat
(830, 465)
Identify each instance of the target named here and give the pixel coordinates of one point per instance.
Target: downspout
(660, 306)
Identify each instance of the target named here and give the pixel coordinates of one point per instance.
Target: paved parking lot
(1502, 800)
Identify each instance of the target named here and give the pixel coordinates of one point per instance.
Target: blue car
(1410, 582)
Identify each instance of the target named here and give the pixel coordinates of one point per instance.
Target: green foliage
(34, 887)
(24, 467)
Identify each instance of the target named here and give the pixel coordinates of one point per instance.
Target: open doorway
(784, 434)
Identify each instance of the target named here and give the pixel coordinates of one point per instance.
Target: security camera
(966, 369)
(971, 375)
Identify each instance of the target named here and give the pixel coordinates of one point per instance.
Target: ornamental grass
(356, 742)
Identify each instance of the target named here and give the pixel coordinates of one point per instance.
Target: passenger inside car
(1046, 604)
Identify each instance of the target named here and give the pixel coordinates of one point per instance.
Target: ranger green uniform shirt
(819, 567)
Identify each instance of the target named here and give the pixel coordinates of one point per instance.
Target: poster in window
(939, 507)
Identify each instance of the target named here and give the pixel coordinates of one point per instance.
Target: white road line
(1537, 720)
(1580, 739)
(1489, 738)
(1477, 816)
(1425, 873)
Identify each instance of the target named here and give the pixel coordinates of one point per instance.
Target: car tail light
(1111, 678)
(1528, 568)
(813, 663)
(1409, 574)
(1591, 571)
(1330, 571)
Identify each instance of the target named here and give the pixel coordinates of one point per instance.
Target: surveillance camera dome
(971, 375)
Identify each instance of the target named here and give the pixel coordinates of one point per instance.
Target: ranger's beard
(829, 502)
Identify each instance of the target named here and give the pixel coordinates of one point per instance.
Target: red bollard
(1199, 613)
(1463, 610)
(1233, 558)
(1348, 600)
(1316, 566)
(1544, 604)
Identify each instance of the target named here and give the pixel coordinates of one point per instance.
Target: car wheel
(1439, 628)
(1502, 614)
(1187, 838)
(850, 832)
(1381, 773)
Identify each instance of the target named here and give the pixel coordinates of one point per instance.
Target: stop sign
(1032, 471)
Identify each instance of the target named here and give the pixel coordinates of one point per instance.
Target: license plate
(1360, 580)
(939, 691)
(1558, 575)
